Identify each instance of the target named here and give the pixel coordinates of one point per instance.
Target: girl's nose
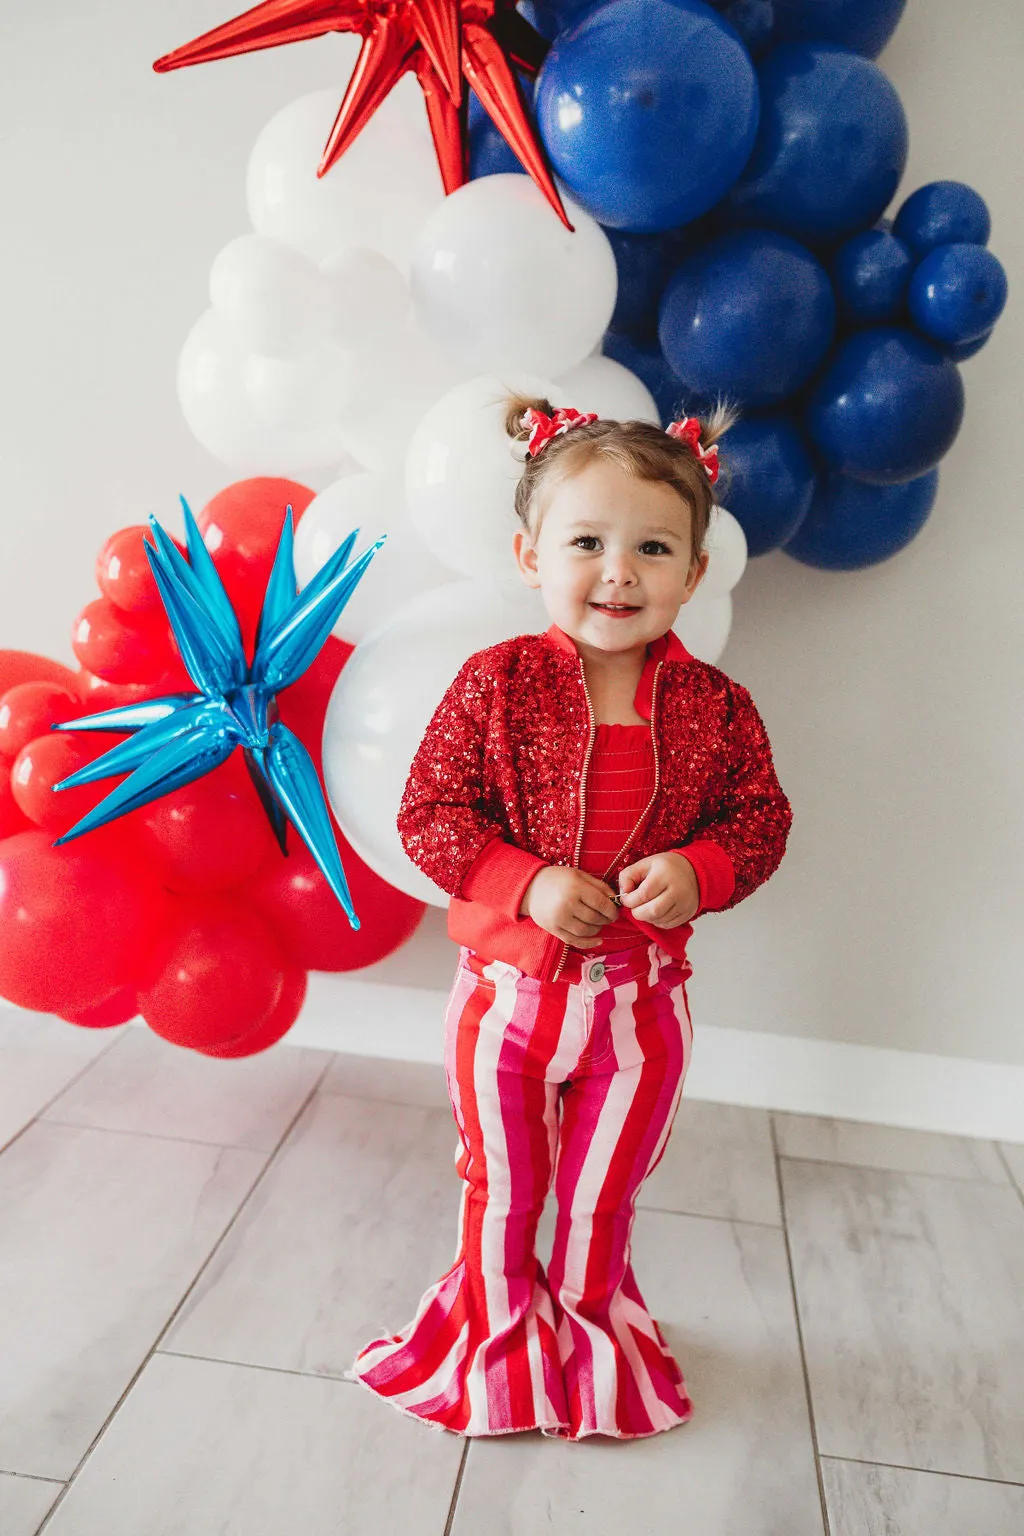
(618, 571)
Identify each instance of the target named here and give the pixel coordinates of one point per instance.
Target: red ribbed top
(620, 781)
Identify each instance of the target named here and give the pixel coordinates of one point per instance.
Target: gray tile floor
(192, 1251)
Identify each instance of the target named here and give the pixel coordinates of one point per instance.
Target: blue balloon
(852, 525)
(644, 263)
(647, 362)
(754, 20)
(864, 25)
(550, 17)
(831, 147)
(960, 354)
(749, 316)
(767, 479)
(887, 407)
(871, 275)
(958, 293)
(648, 110)
(943, 213)
(490, 154)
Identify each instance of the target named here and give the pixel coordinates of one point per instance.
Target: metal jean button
(596, 971)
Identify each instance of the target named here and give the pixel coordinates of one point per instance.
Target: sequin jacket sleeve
(448, 824)
(750, 821)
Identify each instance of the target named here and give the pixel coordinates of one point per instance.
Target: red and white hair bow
(544, 428)
(688, 431)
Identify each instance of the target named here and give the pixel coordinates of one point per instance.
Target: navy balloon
(830, 149)
(644, 263)
(767, 479)
(871, 275)
(852, 525)
(967, 349)
(958, 293)
(490, 154)
(670, 396)
(943, 213)
(887, 407)
(648, 110)
(553, 16)
(749, 316)
(754, 20)
(865, 25)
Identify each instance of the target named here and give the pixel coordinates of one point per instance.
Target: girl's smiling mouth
(616, 610)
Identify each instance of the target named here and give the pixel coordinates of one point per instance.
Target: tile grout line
(32, 1477)
(457, 1489)
(61, 1090)
(1006, 1164)
(799, 1330)
(69, 1484)
(251, 1365)
(739, 1221)
(899, 1466)
(187, 1141)
(913, 1173)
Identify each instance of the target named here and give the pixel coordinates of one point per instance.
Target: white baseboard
(951, 1094)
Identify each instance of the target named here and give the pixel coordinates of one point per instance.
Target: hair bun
(515, 408)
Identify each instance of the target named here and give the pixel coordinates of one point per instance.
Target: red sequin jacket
(496, 789)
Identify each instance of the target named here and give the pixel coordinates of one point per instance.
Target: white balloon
(460, 474)
(274, 298)
(704, 623)
(727, 545)
(369, 297)
(375, 504)
(397, 383)
(383, 701)
(216, 406)
(500, 282)
(377, 194)
(304, 391)
(601, 384)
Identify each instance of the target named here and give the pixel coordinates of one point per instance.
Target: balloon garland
(182, 909)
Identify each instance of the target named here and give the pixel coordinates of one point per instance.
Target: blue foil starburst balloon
(179, 738)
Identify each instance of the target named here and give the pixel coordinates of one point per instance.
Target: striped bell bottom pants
(576, 1081)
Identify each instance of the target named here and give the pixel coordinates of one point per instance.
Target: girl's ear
(696, 575)
(526, 557)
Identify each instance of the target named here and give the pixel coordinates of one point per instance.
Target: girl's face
(611, 555)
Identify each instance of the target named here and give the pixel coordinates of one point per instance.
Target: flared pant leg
(587, 1075)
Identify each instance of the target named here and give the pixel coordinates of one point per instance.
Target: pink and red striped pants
(578, 1080)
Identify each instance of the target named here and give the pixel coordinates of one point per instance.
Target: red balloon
(277, 1023)
(45, 762)
(118, 1008)
(241, 527)
(210, 834)
(24, 667)
(125, 648)
(304, 705)
(217, 975)
(76, 924)
(12, 817)
(29, 709)
(306, 916)
(97, 694)
(123, 573)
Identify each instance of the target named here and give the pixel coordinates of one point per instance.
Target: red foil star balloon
(442, 41)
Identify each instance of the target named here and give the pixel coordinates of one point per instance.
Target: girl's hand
(661, 890)
(569, 903)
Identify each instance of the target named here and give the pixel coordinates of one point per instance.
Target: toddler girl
(582, 794)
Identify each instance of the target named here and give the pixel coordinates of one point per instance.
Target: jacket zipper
(583, 789)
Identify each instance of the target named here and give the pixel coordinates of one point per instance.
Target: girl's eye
(587, 541)
(654, 547)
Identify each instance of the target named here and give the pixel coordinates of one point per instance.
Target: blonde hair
(638, 448)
